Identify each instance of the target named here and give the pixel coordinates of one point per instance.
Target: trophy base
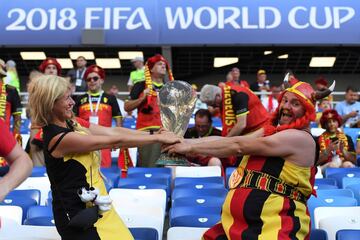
(166, 160)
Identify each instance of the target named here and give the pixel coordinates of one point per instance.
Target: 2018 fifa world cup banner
(185, 22)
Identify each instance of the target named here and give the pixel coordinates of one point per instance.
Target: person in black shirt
(203, 128)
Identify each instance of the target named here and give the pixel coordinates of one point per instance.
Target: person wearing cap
(98, 107)
(137, 75)
(336, 148)
(269, 190)
(76, 75)
(50, 66)
(143, 97)
(10, 106)
(12, 77)
(262, 84)
(235, 79)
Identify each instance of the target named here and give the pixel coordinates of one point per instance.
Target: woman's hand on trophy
(168, 138)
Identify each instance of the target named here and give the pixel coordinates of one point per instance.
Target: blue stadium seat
(39, 211)
(228, 173)
(183, 192)
(149, 172)
(145, 183)
(110, 170)
(353, 133)
(22, 198)
(38, 172)
(40, 221)
(339, 176)
(347, 234)
(194, 216)
(139, 172)
(346, 181)
(324, 187)
(327, 181)
(335, 193)
(330, 171)
(328, 201)
(202, 186)
(201, 201)
(179, 181)
(318, 234)
(356, 190)
(144, 233)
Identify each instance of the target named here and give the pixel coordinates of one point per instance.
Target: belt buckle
(236, 177)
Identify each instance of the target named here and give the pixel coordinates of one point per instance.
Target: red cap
(96, 69)
(321, 80)
(50, 61)
(330, 114)
(157, 58)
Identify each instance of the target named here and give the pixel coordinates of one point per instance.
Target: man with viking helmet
(143, 96)
(10, 106)
(270, 188)
(336, 148)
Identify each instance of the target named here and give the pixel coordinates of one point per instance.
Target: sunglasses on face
(92, 78)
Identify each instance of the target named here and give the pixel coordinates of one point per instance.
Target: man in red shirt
(19, 162)
(98, 107)
(242, 111)
(143, 96)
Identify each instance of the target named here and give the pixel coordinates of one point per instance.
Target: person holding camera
(336, 148)
(81, 206)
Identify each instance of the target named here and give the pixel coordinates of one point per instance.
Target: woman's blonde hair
(44, 90)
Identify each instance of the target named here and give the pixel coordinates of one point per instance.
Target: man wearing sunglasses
(98, 107)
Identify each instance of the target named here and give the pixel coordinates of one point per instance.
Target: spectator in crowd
(336, 148)
(242, 111)
(271, 102)
(276, 177)
(349, 109)
(98, 107)
(12, 77)
(143, 97)
(137, 75)
(324, 104)
(76, 75)
(19, 162)
(73, 161)
(10, 106)
(320, 84)
(203, 128)
(262, 84)
(199, 104)
(50, 66)
(358, 145)
(235, 81)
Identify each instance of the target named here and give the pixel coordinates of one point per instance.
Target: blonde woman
(72, 161)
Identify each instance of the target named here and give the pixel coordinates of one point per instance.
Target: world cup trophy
(177, 102)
